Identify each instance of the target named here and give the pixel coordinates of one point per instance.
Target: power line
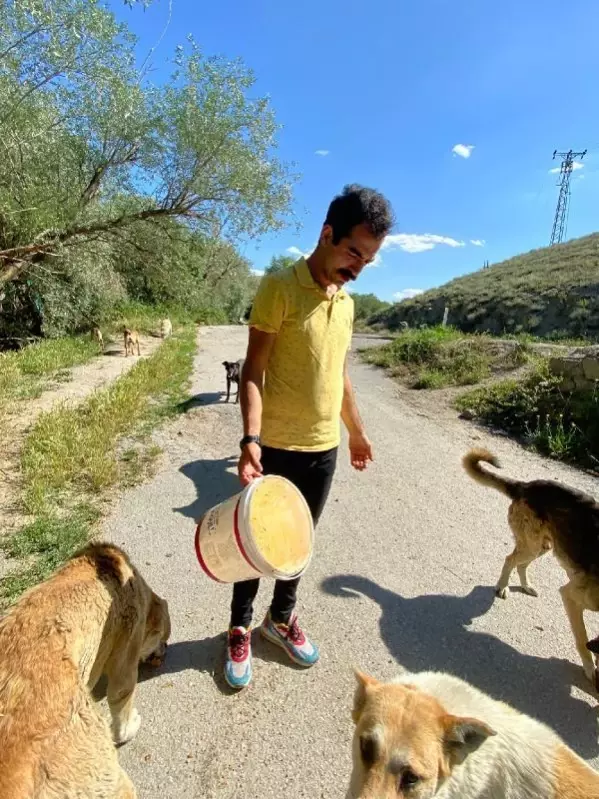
(560, 221)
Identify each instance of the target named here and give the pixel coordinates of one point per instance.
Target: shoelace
(238, 644)
(293, 631)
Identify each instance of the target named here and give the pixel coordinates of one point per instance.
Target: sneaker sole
(237, 686)
(274, 639)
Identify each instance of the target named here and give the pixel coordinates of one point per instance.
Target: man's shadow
(431, 632)
(213, 482)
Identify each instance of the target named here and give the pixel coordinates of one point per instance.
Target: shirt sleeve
(268, 308)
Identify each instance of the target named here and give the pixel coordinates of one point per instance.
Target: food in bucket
(280, 525)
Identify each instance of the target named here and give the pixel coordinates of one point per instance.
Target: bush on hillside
(551, 292)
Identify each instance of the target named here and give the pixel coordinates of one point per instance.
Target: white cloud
(406, 294)
(322, 153)
(295, 251)
(575, 165)
(478, 242)
(463, 150)
(418, 242)
(257, 272)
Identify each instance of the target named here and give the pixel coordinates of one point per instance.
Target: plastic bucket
(264, 531)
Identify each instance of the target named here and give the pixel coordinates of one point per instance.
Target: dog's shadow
(214, 482)
(430, 632)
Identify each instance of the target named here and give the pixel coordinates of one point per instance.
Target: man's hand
(249, 466)
(360, 451)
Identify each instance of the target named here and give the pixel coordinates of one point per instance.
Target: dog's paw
(123, 733)
(502, 593)
(528, 589)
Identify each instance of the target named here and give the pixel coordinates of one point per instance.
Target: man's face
(346, 259)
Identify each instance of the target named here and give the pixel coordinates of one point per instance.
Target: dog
(544, 516)
(431, 734)
(98, 337)
(95, 616)
(166, 328)
(131, 339)
(233, 369)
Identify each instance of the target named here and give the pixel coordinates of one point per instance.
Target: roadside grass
(560, 424)
(25, 374)
(437, 357)
(71, 457)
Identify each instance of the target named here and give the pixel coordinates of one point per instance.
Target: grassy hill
(551, 292)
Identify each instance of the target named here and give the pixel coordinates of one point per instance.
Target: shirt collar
(305, 279)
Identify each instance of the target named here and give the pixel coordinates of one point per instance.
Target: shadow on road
(213, 482)
(430, 633)
(201, 400)
(205, 655)
(208, 655)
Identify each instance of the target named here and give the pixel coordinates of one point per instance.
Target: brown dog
(131, 339)
(431, 734)
(545, 515)
(98, 337)
(95, 616)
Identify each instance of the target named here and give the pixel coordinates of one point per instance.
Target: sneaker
(290, 638)
(238, 665)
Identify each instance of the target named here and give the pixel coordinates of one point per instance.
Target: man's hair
(357, 205)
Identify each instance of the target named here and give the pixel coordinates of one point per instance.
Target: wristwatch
(249, 440)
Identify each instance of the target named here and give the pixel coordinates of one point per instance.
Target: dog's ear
(365, 685)
(225, 364)
(463, 735)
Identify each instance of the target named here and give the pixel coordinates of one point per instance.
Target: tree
(278, 262)
(90, 149)
(365, 305)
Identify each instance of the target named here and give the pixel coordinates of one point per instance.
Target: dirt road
(407, 555)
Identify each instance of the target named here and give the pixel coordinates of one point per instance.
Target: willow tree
(90, 148)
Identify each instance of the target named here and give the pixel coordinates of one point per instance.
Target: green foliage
(442, 356)
(551, 293)
(278, 262)
(366, 305)
(113, 188)
(562, 425)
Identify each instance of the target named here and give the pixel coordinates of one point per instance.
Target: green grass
(25, 374)
(552, 293)
(442, 356)
(562, 425)
(70, 457)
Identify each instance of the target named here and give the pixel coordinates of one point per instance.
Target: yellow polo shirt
(303, 384)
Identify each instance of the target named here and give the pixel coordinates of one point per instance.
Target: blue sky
(382, 92)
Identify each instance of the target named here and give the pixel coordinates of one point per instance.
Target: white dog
(166, 328)
(432, 735)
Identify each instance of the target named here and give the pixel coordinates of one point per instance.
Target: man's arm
(360, 449)
(349, 408)
(250, 395)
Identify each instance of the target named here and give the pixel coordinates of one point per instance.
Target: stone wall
(579, 369)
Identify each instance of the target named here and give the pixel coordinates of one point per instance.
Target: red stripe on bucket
(200, 557)
(238, 539)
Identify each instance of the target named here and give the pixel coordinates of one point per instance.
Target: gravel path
(407, 554)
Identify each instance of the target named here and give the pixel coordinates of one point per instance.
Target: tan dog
(94, 616)
(131, 339)
(432, 735)
(98, 337)
(166, 328)
(545, 515)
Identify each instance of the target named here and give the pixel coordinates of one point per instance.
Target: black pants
(312, 473)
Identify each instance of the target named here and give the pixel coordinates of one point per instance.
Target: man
(295, 387)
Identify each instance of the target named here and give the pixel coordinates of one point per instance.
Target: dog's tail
(471, 463)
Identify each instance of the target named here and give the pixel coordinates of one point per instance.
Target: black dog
(233, 376)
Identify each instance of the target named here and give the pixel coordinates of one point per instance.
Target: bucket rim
(243, 519)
